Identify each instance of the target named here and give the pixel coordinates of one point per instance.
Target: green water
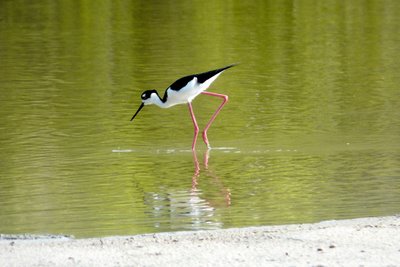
(311, 130)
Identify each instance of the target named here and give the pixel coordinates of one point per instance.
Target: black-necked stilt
(184, 90)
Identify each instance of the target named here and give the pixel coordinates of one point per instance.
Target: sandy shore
(358, 242)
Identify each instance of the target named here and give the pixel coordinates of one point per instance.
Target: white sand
(358, 242)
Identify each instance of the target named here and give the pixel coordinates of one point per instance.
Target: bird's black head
(147, 94)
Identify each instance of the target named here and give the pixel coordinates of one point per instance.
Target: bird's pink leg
(225, 99)
(196, 127)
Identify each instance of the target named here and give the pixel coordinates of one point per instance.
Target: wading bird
(184, 90)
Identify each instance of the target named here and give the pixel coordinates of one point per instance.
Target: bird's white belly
(185, 95)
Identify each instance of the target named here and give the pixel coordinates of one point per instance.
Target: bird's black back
(201, 78)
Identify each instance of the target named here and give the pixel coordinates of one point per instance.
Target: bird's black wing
(201, 78)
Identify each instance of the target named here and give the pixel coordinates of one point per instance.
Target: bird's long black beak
(141, 106)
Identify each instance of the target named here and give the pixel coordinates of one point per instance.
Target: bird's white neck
(156, 100)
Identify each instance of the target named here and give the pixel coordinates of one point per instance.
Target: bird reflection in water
(190, 209)
(195, 179)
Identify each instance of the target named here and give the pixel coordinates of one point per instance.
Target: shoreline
(356, 242)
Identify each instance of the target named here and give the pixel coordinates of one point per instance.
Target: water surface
(311, 130)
